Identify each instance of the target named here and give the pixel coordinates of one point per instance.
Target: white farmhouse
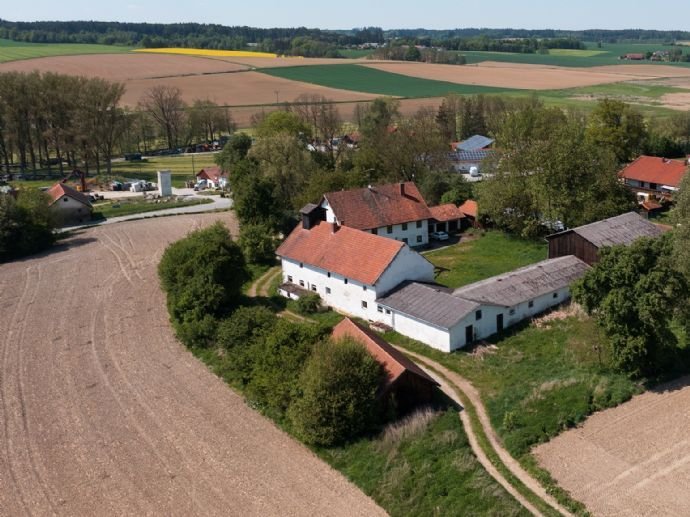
(69, 205)
(348, 268)
(448, 320)
(396, 211)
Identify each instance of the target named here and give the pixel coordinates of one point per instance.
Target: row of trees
(400, 52)
(49, 120)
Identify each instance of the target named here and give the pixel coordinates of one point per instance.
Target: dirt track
(105, 413)
(630, 460)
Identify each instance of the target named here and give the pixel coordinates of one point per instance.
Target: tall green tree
(619, 128)
(681, 220)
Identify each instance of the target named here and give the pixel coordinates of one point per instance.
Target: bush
(26, 224)
(338, 394)
(258, 243)
(308, 304)
(202, 275)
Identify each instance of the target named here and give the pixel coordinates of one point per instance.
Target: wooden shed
(585, 241)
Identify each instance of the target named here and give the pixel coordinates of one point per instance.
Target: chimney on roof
(402, 188)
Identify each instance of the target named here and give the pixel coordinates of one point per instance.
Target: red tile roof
(469, 208)
(652, 169)
(351, 253)
(374, 207)
(394, 363)
(447, 212)
(59, 190)
(650, 206)
(211, 173)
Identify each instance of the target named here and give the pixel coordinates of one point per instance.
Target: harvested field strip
(15, 50)
(365, 79)
(206, 52)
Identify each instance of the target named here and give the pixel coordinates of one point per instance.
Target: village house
(405, 385)
(396, 211)
(585, 241)
(214, 176)
(348, 268)
(468, 155)
(446, 218)
(653, 177)
(447, 320)
(69, 205)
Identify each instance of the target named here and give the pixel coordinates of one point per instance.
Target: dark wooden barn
(585, 241)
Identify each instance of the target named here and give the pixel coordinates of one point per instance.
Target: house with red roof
(215, 177)
(653, 176)
(347, 267)
(404, 382)
(71, 206)
(396, 211)
(445, 218)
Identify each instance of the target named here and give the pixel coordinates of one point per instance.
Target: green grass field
(369, 80)
(608, 54)
(16, 50)
(489, 254)
(353, 53)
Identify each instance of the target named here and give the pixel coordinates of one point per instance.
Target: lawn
(355, 53)
(369, 80)
(16, 50)
(107, 209)
(183, 167)
(480, 255)
(425, 468)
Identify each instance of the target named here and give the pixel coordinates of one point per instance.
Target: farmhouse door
(469, 334)
(499, 322)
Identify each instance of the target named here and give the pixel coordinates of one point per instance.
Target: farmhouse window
(375, 231)
(301, 283)
(419, 238)
(404, 226)
(345, 280)
(289, 278)
(313, 287)
(328, 290)
(405, 240)
(329, 274)
(419, 224)
(530, 304)
(301, 265)
(65, 199)
(478, 315)
(555, 295)
(388, 311)
(364, 304)
(364, 288)
(379, 308)
(511, 312)
(389, 229)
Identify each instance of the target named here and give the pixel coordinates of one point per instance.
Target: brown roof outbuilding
(59, 190)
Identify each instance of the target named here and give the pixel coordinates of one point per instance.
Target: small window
(345, 280)
(328, 290)
(405, 240)
(379, 308)
(555, 295)
(364, 288)
(375, 231)
(419, 238)
(530, 304)
(364, 304)
(419, 224)
(388, 311)
(404, 226)
(65, 199)
(329, 274)
(301, 283)
(478, 315)
(511, 312)
(313, 287)
(301, 265)
(289, 278)
(389, 229)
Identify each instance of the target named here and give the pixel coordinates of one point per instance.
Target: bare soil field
(648, 71)
(239, 89)
(533, 78)
(676, 101)
(261, 62)
(105, 413)
(123, 67)
(630, 460)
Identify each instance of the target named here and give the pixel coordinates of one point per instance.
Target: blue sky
(434, 14)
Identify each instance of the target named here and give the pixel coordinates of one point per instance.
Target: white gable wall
(69, 209)
(408, 265)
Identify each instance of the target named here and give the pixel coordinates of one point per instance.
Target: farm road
(103, 412)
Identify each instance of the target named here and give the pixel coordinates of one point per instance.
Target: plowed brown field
(630, 460)
(122, 67)
(103, 412)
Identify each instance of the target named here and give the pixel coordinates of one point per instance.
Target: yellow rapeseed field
(206, 52)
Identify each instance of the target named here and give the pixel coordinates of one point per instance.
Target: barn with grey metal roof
(427, 303)
(474, 143)
(526, 283)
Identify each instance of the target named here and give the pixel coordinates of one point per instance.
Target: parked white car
(439, 236)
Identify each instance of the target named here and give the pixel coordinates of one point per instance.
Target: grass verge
(107, 209)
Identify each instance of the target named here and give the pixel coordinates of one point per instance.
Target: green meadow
(17, 50)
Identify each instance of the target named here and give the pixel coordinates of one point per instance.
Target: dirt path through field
(103, 412)
(629, 460)
(511, 463)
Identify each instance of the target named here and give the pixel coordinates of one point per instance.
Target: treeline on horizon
(311, 42)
